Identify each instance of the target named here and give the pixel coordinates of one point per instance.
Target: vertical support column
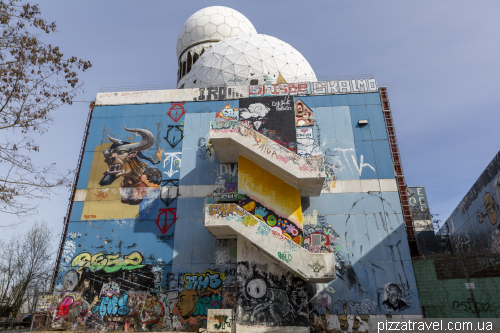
(398, 169)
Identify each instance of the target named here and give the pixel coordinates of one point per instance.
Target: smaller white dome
(212, 24)
(248, 59)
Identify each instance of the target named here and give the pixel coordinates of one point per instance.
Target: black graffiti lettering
(222, 242)
(164, 238)
(470, 306)
(221, 322)
(212, 92)
(222, 93)
(202, 94)
(170, 182)
(175, 134)
(230, 272)
(172, 191)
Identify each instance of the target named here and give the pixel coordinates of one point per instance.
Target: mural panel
(272, 116)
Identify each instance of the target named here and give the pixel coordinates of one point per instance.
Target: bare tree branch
(35, 79)
(23, 268)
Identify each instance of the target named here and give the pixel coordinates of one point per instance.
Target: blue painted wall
(366, 230)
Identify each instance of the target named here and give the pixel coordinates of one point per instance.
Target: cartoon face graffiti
(393, 298)
(256, 113)
(123, 161)
(256, 288)
(303, 114)
(274, 305)
(187, 303)
(489, 205)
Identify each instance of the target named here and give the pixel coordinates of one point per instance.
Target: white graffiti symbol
(222, 257)
(174, 159)
(343, 151)
(361, 165)
(69, 251)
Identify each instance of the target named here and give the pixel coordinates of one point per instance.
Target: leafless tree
(36, 78)
(26, 263)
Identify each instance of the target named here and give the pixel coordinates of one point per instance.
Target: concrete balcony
(231, 139)
(232, 221)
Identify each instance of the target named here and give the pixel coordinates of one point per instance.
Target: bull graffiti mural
(123, 161)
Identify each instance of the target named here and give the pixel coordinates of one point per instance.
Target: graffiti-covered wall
(358, 215)
(450, 296)
(134, 259)
(268, 295)
(474, 223)
(462, 281)
(138, 256)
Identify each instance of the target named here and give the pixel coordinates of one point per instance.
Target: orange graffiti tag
(101, 194)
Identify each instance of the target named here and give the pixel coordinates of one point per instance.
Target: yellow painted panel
(99, 167)
(269, 190)
(104, 202)
(116, 208)
(96, 210)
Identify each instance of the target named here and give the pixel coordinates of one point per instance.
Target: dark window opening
(189, 62)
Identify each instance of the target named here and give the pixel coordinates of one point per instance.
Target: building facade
(428, 240)
(272, 206)
(463, 279)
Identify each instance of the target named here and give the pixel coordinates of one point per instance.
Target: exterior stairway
(232, 221)
(231, 139)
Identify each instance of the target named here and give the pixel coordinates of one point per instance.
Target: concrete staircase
(227, 221)
(231, 139)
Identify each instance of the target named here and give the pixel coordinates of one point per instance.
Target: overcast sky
(439, 60)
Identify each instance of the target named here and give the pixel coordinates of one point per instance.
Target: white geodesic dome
(248, 59)
(212, 24)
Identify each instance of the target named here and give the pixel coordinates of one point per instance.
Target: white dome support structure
(205, 28)
(249, 59)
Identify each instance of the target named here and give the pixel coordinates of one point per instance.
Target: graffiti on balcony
(281, 226)
(267, 146)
